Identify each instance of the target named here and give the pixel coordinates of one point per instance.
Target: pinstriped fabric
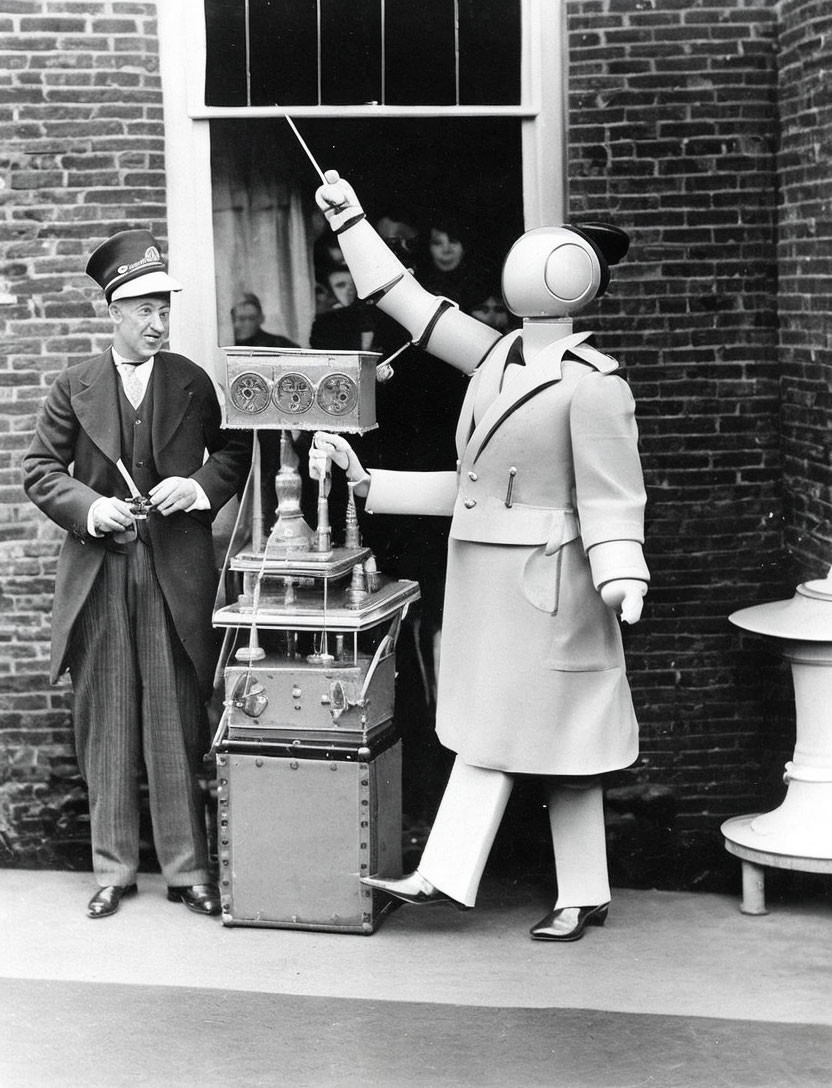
(136, 700)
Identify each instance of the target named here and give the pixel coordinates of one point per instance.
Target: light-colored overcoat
(72, 462)
(547, 505)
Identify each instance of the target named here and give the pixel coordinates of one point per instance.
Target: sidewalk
(661, 955)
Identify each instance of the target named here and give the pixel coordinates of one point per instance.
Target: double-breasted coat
(72, 461)
(547, 505)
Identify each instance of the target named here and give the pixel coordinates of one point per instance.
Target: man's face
(342, 286)
(492, 312)
(247, 320)
(140, 325)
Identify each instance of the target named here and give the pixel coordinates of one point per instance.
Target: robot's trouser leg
(576, 817)
(463, 832)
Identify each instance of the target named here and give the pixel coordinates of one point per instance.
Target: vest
(136, 445)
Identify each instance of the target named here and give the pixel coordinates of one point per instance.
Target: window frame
(182, 42)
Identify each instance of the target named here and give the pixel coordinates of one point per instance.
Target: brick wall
(82, 139)
(805, 284)
(673, 134)
(674, 126)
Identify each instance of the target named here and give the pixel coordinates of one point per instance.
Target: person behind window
(449, 271)
(247, 317)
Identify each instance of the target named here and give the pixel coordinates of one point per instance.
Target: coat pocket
(584, 632)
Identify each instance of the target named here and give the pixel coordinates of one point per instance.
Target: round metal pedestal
(798, 834)
(755, 861)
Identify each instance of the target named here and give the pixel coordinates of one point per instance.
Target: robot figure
(547, 503)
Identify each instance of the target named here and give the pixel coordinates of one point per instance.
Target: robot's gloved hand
(625, 596)
(332, 447)
(338, 202)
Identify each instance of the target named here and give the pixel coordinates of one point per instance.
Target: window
(451, 105)
(362, 52)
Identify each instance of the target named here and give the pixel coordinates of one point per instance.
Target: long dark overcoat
(72, 462)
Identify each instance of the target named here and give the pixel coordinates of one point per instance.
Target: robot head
(556, 271)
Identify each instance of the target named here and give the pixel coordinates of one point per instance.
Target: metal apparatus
(798, 834)
(308, 756)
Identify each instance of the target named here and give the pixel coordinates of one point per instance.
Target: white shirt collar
(119, 360)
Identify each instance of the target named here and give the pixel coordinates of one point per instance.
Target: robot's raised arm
(434, 323)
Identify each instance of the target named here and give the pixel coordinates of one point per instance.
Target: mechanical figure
(545, 553)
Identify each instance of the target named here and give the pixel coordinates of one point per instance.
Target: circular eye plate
(249, 393)
(293, 393)
(569, 272)
(337, 394)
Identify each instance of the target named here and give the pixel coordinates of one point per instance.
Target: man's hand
(172, 494)
(111, 515)
(337, 200)
(333, 448)
(625, 596)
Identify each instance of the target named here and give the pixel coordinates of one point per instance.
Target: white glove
(333, 448)
(626, 597)
(337, 200)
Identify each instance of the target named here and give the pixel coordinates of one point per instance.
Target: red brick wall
(673, 134)
(805, 283)
(83, 156)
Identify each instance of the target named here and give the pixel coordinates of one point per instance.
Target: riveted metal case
(297, 831)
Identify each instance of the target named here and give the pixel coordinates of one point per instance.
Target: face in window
(247, 321)
(401, 237)
(446, 251)
(342, 286)
(140, 325)
(492, 312)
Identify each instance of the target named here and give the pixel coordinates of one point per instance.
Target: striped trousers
(136, 700)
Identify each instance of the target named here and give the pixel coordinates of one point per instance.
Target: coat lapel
(171, 398)
(96, 404)
(544, 371)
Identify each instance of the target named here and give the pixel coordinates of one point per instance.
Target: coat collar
(489, 403)
(95, 400)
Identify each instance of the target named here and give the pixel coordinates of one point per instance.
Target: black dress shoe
(413, 889)
(203, 898)
(568, 923)
(106, 900)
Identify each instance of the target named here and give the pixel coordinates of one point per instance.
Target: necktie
(132, 384)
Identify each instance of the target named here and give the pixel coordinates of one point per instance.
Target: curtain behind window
(264, 228)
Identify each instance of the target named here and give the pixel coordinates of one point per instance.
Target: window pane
(225, 61)
(420, 50)
(399, 52)
(489, 52)
(350, 51)
(284, 52)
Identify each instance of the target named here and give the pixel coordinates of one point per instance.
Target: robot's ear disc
(612, 241)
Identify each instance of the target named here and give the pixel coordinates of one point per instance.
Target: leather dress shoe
(202, 898)
(107, 900)
(568, 923)
(412, 889)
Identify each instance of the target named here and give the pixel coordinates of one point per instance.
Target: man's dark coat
(72, 462)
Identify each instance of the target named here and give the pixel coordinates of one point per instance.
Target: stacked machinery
(308, 757)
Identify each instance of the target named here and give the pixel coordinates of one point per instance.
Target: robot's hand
(337, 200)
(332, 447)
(626, 597)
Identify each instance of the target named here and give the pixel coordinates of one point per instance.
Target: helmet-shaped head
(556, 271)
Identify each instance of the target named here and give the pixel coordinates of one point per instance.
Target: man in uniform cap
(136, 577)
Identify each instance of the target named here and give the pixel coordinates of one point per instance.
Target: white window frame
(542, 113)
